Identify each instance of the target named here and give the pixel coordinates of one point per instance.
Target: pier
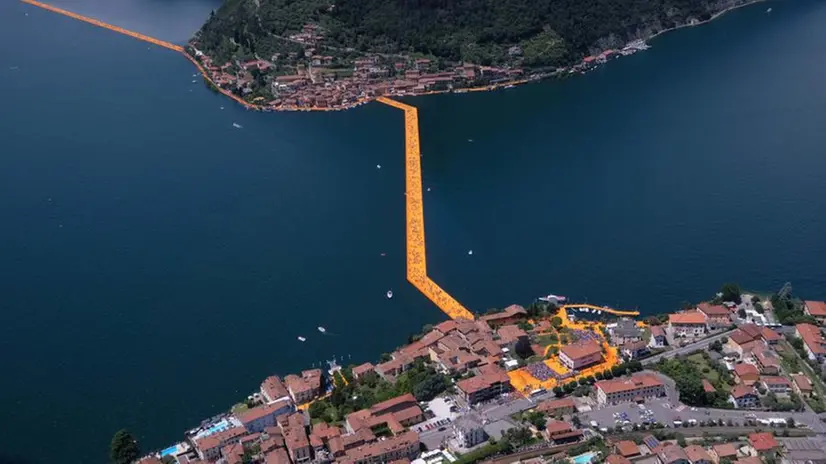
(416, 251)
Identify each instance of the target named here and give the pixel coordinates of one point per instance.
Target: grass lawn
(698, 360)
(239, 408)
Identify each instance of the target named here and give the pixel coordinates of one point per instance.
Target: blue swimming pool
(585, 458)
(169, 450)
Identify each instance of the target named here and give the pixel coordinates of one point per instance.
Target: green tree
(731, 292)
(556, 322)
(124, 448)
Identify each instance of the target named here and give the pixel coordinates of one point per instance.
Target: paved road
(700, 345)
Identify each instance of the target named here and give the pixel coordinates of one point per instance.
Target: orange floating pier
(121, 30)
(416, 256)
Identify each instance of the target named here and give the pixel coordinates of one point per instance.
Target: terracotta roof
(725, 450)
(741, 391)
(746, 369)
(217, 439)
(697, 453)
(802, 382)
(483, 381)
(740, 337)
(384, 447)
(581, 350)
(816, 308)
(363, 369)
(670, 453)
(749, 460)
(553, 405)
(634, 383)
(616, 459)
(278, 456)
(812, 337)
(708, 387)
(763, 441)
(384, 406)
(657, 331)
(627, 448)
(770, 335)
(510, 333)
(274, 388)
(261, 411)
(775, 380)
(510, 311)
(713, 310)
(687, 318)
(555, 427)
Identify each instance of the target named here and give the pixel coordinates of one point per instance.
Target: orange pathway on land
(416, 253)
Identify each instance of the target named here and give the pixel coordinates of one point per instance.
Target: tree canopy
(124, 448)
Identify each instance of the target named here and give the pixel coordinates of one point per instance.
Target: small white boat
(193, 81)
(302, 339)
(237, 126)
(222, 107)
(470, 252)
(322, 329)
(390, 294)
(428, 189)
(769, 10)
(470, 140)
(378, 166)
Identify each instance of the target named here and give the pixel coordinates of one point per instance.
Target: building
(616, 459)
(744, 397)
(468, 430)
(363, 369)
(510, 315)
(697, 455)
(802, 385)
(670, 454)
(260, 417)
(717, 316)
(580, 354)
(744, 339)
(723, 451)
(295, 438)
(687, 324)
(658, 339)
(391, 369)
(273, 389)
(816, 309)
(303, 389)
(404, 446)
(767, 361)
(764, 443)
(627, 449)
(561, 432)
(746, 374)
(813, 341)
(277, 456)
(512, 338)
(635, 388)
(396, 413)
(209, 447)
(625, 331)
(776, 384)
(488, 384)
(634, 350)
(557, 408)
(708, 387)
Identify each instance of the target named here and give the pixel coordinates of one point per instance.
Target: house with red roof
(580, 354)
(717, 316)
(816, 309)
(813, 341)
(764, 443)
(744, 396)
(687, 324)
(802, 385)
(746, 374)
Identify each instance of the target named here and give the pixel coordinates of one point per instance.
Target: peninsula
(319, 54)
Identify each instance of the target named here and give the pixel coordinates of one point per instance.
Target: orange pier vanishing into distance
(416, 259)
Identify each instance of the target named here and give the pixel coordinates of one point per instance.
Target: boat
(237, 126)
(322, 329)
(470, 252)
(551, 298)
(302, 339)
(769, 10)
(390, 294)
(510, 86)
(378, 166)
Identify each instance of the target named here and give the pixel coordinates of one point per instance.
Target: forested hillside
(528, 33)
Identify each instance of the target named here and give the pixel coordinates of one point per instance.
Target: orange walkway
(416, 256)
(89, 20)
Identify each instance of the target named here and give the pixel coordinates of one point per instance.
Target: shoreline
(583, 66)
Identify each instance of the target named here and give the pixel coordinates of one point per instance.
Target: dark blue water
(158, 262)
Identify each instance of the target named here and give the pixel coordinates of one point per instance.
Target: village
(719, 382)
(304, 78)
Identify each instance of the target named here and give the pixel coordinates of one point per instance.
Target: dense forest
(489, 32)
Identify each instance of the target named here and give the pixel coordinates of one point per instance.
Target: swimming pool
(585, 458)
(169, 450)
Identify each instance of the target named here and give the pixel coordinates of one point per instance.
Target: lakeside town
(303, 77)
(738, 379)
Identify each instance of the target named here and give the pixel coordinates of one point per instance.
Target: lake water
(158, 262)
